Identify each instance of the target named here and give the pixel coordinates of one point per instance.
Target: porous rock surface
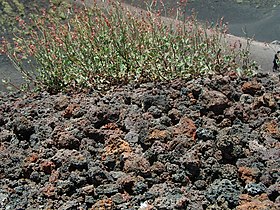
(207, 143)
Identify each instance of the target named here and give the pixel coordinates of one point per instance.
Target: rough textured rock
(206, 143)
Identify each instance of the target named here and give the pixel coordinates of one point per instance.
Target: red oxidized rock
(248, 174)
(49, 190)
(47, 166)
(186, 127)
(260, 202)
(70, 110)
(251, 87)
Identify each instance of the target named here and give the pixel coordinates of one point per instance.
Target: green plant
(77, 47)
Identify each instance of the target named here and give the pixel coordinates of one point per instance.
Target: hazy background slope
(259, 18)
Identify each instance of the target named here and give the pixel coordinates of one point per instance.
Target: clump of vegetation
(77, 47)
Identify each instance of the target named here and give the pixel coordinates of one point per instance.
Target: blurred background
(253, 18)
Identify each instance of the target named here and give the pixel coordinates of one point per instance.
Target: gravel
(206, 143)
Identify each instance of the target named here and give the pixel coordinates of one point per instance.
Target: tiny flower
(32, 49)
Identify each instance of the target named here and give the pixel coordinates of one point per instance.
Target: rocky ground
(208, 143)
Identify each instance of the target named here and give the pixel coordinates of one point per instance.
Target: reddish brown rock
(272, 128)
(129, 185)
(117, 147)
(137, 164)
(71, 110)
(251, 87)
(157, 168)
(192, 98)
(185, 127)
(32, 158)
(261, 202)
(105, 204)
(54, 176)
(267, 100)
(63, 139)
(49, 190)
(47, 166)
(157, 135)
(248, 174)
(215, 101)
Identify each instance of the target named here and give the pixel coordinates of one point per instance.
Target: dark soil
(209, 143)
